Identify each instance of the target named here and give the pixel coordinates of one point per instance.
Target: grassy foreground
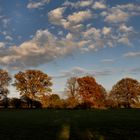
(70, 124)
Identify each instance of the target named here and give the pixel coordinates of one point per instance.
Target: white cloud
(99, 5)
(130, 7)
(72, 22)
(125, 28)
(34, 5)
(68, 4)
(106, 30)
(78, 17)
(43, 48)
(8, 38)
(83, 3)
(69, 36)
(56, 15)
(124, 40)
(121, 13)
(83, 43)
(117, 15)
(2, 44)
(5, 21)
(92, 33)
(132, 54)
(79, 33)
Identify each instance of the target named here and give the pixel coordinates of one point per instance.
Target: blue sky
(66, 38)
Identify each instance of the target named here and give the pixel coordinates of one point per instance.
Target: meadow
(51, 124)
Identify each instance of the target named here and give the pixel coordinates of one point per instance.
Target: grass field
(70, 124)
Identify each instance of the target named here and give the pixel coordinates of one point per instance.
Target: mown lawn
(70, 124)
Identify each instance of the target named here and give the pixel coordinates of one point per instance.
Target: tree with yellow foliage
(33, 83)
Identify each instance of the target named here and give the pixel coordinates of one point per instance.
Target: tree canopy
(90, 91)
(32, 83)
(126, 92)
(4, 82)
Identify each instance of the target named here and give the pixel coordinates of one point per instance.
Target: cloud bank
(77, 32)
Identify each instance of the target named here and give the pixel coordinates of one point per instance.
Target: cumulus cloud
(43, 48)
(99, 5)
(77, 31)
(40, 3)
(92, 33)
(96, 38)
(117, 15)
(106, 30)
(84, 3)
(80, 16)
(72, 22)
(69, 36)
(125, 28)
(124, 40)
(121, 13)
(56, 15)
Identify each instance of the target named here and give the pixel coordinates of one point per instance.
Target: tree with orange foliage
(91, 92)
(32, 83)
(125, 92)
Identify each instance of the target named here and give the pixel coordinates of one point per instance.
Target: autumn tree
(125, 92)
(4, 82)
(44, 99)
(71, 91)
(32, 83)
(71, 87)
(54, 101)
(91, 92)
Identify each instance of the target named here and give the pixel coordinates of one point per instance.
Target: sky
(66, 38)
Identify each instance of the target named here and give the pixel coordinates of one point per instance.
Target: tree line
(35, 91)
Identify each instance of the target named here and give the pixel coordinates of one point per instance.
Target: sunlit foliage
(32, 83)
(4, 82)
(125, 92)
(91, 92)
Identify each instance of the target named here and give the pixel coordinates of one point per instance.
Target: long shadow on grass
(70, 124)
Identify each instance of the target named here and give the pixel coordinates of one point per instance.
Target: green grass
(70, 124)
